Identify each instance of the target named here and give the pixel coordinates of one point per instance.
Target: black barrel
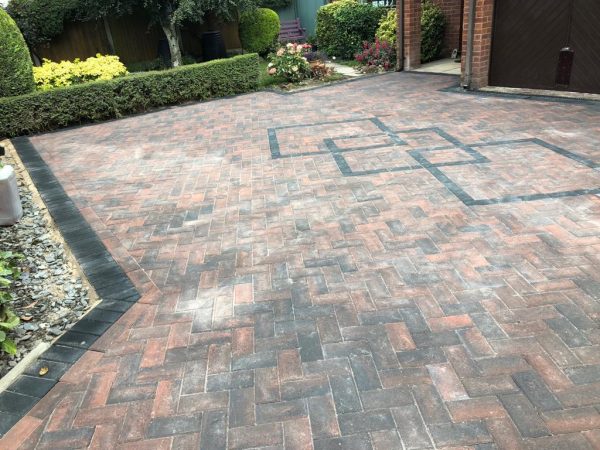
(213, 45)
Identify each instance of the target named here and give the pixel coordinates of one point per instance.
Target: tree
(171, 14)
(41, 20)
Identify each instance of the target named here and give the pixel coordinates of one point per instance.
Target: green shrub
(101, 100)
(289, 63)
(344, 25)
(65, 73)
(9, 272)
(16, 73)
(259, 30)
(41, 20)
(433, 24)
(386, 32)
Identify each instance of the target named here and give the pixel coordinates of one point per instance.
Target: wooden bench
(292, 31)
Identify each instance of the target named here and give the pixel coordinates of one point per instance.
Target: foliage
(343, 26)
(289, 63)
(320, 71)
(315, 56)
(386, 32)
(259, 30)
(42, 20)
(101, 100)
(274, 4)
(433, 24)
(176, 12)
(376, 56)
(65, 73)
(16, 75)
(170, 14)
(147, 66)
(9, 272)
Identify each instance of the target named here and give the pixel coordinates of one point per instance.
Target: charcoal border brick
(107, 278)
(421, 161)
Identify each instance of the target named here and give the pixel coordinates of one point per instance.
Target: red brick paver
(289, 305)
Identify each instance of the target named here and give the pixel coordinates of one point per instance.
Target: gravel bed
(50, 296)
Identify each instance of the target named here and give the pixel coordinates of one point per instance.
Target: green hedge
(16, 72)
(343, 26)
(101, 100)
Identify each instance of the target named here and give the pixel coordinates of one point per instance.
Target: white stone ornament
(10, 203)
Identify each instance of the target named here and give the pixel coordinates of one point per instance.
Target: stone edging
(107, 278)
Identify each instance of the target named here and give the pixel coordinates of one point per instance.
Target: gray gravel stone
(48, 297)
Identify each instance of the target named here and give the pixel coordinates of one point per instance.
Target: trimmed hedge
(343, 26)
(259, 30)
(16, 71)
(102, 100)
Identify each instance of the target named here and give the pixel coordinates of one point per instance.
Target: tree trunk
(172, 35)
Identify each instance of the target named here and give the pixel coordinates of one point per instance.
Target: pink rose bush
(290, 63)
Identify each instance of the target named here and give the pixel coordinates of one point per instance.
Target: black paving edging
(107, 278)
(458, 89)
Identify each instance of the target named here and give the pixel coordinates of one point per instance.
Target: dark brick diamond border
(107, 278)
(418, 154)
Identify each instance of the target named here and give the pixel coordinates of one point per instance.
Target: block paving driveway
(381, 264)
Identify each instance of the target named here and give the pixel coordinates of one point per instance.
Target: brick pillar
(482, 42)
(412, 34)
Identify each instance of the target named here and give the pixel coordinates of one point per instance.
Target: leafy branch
(9, 272)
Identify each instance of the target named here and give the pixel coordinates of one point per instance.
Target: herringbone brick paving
(290, 305)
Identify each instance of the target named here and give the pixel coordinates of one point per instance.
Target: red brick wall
(412, 33)
(482, 42)
(453, 12)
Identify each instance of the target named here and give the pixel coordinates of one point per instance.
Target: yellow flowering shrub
(65, 73)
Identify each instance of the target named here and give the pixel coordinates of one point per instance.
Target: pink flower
(272, 71)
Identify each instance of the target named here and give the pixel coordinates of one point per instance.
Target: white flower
(295, 68)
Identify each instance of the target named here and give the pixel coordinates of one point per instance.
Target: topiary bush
(259, 30)
(344, 25)
(433, 24)
(386, 32)
(101, 100)
(16, 72)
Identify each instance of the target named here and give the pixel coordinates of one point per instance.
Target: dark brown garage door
(529, 36)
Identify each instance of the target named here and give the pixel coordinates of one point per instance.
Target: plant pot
(213, 46)
(10, 203)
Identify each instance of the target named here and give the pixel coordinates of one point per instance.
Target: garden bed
(278, 83)
(51, 294)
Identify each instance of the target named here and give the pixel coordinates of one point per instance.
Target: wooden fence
(130, 37)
